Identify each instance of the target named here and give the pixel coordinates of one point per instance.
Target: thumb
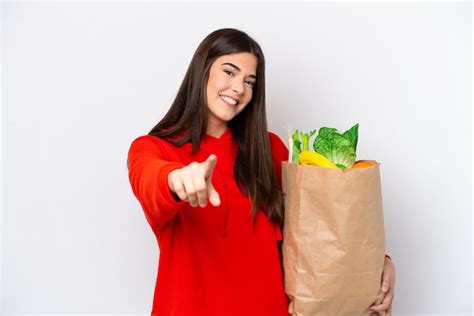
(213, 195)
(209, 165)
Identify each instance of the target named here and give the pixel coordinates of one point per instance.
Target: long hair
(253, 170)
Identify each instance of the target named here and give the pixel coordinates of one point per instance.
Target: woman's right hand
(192, 183)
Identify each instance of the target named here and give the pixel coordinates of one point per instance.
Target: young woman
(208, 177)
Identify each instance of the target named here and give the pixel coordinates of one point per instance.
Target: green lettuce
(338, 147)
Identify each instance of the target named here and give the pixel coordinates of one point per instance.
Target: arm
(148, 175)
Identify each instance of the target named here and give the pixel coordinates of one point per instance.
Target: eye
(250, 83)
(228, 72)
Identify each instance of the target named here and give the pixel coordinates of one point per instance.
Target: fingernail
(385, 288)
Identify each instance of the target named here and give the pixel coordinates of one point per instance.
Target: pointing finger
(209, 165)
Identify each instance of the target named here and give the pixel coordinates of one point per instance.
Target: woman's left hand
(388, 288)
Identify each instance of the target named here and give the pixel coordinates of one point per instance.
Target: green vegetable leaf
(352, 135)
(305, 137)
(338, 147)
(296, 148)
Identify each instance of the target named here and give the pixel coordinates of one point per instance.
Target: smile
(228, 100)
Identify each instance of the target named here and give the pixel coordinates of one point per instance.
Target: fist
(193, 183)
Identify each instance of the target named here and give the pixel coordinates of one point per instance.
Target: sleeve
(148, 174)
(279, 154)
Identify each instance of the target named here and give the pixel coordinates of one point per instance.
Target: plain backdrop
(80, 81)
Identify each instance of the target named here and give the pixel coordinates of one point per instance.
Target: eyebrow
(234, 66)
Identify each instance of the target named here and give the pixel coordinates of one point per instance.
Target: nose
(238, 86)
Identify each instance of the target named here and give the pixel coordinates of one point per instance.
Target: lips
(229, 100)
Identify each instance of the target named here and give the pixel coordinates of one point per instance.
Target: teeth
(228, 100)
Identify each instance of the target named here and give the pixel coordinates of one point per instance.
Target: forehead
(247, 62)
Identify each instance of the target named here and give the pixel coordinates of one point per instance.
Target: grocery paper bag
(333, 239)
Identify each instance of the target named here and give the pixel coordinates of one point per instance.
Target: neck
(216, 129)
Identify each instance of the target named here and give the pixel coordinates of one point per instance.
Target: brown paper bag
(333, 239)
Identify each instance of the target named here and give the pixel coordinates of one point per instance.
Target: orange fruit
(363, 163)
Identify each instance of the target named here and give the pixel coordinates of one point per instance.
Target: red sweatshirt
(211, 260)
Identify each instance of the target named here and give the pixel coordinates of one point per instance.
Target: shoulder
(150, 143)
(146, 139)
(279, 154)
(150, 146)
(278, 147)
(150, 140)
(276, 142)
(145, 142)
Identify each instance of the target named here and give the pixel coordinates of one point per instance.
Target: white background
(80, 81)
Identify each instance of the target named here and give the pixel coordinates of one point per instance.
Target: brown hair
(253, 170)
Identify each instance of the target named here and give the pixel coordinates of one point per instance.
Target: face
(230, 86)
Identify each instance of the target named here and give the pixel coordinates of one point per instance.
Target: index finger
(209, 165)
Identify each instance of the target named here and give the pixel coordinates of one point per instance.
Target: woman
(208, 177)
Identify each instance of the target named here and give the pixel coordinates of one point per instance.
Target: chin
(228, 116)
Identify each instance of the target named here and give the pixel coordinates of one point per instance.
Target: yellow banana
(315, 159)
